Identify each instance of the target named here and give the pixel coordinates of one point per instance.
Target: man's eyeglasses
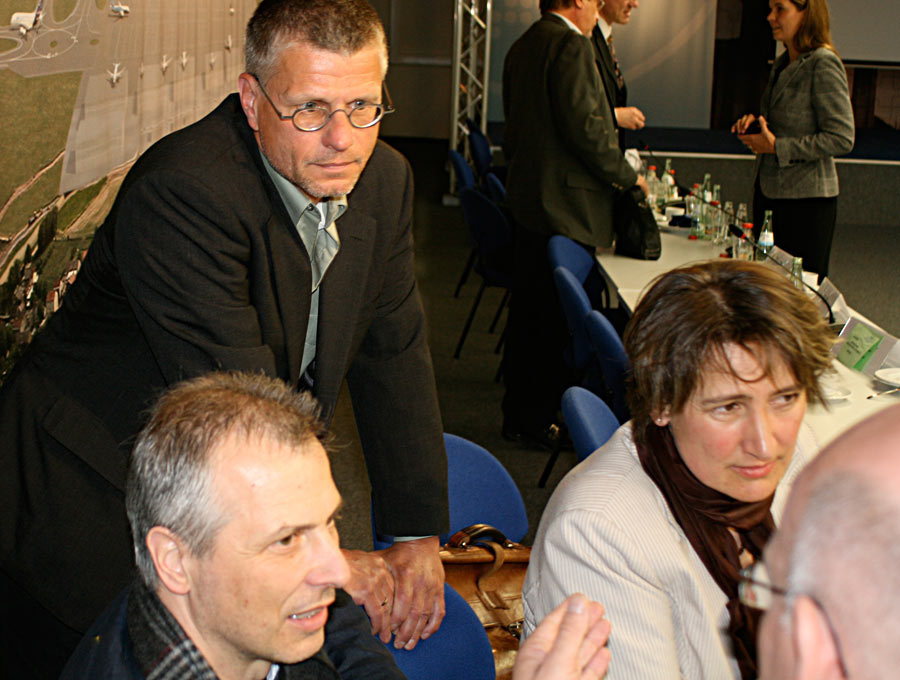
(310, 117)
(756, 590)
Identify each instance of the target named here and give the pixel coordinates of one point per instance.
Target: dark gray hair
(344, 26)
(845, 554)
(169, 481)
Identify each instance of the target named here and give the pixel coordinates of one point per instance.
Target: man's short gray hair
(343, 26)
(845, 554)
(169, 481)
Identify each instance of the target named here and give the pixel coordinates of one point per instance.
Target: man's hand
(642, 183)
(569, 644)
(762, 142)
(418, 605)
(372, 586)
(630, 117)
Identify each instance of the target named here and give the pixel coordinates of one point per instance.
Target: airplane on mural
(115, 74)
(165, 63)
(184, 60)
(27, 21)
(118, 9)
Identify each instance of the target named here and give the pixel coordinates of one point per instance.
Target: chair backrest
(491, 235)
(612, 359)
(480, 491)
(480, 148)
(590, 421)
(459, 649)
(564, 252)
(465, 176)
(495, 189)
(575, 305)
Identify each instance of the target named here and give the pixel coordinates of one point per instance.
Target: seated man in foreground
(232, 508)
(829, 582)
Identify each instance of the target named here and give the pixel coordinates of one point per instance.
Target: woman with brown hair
(658, 522)
(805, 120)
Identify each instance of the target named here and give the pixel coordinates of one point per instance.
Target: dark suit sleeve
(351, 647)
(183, 257)
(581, 112)
(393, 390)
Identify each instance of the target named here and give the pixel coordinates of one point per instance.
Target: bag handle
(478, 534)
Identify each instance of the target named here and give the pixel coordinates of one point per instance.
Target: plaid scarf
(165, 652)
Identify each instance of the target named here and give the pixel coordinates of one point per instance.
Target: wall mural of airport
(85, 87)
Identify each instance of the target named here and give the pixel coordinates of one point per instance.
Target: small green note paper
(859, 347)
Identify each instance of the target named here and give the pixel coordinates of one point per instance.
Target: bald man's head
(836, 553)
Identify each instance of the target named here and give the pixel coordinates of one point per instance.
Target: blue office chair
(564, 252)
(492, 236)
(575, 305)
(610, 355)
(591, 422)
(480, 148)
(465, 179)
(495, 189)
(460, 648)
(480, 491)
(465, 176)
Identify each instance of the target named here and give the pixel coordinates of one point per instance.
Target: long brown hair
(815, 29)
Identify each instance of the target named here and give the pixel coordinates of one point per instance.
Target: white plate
(836, 392)
(891, 376)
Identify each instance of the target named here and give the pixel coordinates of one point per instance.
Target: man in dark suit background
(615, 12)
(272, 236)
(565, 168)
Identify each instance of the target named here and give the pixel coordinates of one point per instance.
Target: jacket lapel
(340, 298)
(293, 282)
(290, 269)
(791, 70)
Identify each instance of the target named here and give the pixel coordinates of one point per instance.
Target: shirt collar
(605, 28)
(568, 23)
(296, 202)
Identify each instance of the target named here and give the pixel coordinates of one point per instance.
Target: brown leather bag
(488, 571)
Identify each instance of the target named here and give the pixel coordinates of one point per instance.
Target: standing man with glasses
(829, 582)
(565, 168)
(615, 12)
(273, 236)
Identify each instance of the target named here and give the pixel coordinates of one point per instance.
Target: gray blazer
(808, 110)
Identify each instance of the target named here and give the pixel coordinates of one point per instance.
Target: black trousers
(535, 373)
(803, 227)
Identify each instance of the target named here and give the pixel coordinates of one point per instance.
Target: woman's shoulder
(610, 483)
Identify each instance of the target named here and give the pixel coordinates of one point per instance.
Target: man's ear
(248, 90)
(169, 554)
(815, 649)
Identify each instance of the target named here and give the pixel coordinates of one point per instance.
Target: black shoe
(552, 437)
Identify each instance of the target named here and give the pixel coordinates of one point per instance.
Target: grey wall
(420, 36)
(666, 52)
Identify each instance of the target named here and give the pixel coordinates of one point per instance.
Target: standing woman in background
(805, 120)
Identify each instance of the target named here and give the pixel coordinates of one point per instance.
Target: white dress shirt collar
(568, 22)
(605, 28)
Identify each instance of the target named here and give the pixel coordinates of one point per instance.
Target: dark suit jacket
(565, 164)
(617, 96)
(808, 110)
(198, 268)
(350, 651)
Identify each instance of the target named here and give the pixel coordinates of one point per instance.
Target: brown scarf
(706, 515)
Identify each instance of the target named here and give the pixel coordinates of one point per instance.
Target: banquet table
(627, 278)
